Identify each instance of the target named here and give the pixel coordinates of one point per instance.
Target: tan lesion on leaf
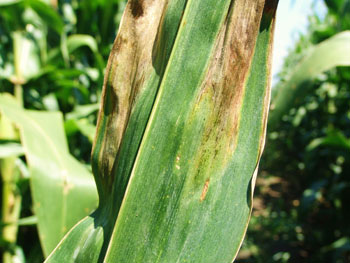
(205, 190)
(224, 84)
(230, 65)
(128, 68)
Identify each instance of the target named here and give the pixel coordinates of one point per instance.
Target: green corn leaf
(180, 133)
(74, 42)
(334, 138)
(26, 56)
(330, 53)
(10, 149)
(79, 40)
(47, 13)
(77, 121)
(63, 190)
(27, 221)
(9, 2)
(72, 126)
(82, 111)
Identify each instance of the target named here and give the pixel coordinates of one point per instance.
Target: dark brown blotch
(270, 7)
(137, 8)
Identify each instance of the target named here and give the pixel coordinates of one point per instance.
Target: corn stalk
(180, 133)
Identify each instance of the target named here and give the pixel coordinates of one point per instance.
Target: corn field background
(53, 56)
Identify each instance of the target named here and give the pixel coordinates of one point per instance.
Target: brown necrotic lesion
(137, 8)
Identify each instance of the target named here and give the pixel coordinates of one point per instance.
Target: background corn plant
(66, 44)
(51, 61)
(301, 205)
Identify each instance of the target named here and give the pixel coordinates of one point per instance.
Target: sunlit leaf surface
(180, 133)
(63, 190)
(330, 53)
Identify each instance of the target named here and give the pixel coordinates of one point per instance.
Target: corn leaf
(63, 190)
(334, 138)
(47, 13)
(83, 125)
(9, 2)
(330, 53)
(10, 149)
(76, 41)
(180, 133)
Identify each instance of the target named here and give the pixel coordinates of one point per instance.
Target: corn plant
(63, 190)
(330, 53)
(180, 133)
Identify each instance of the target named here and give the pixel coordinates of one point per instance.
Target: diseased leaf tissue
(180, 133)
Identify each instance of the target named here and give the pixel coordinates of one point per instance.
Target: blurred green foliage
(301, 207)
(57, 51)
(52, 58)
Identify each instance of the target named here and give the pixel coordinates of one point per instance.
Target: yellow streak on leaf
(205, 190)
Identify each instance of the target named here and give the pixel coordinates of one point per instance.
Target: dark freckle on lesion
(137, 8)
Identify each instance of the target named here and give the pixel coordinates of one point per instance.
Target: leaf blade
(330, 53)
(56, 177)
(146, 203)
